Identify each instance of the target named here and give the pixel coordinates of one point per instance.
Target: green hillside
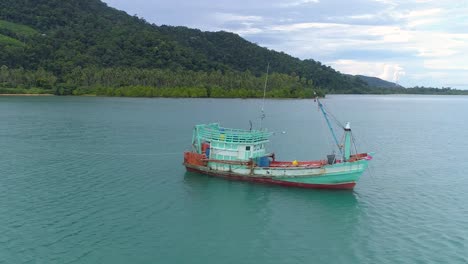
(20, 30)
(377, 82)
(8, 41)
(85, 37)
(86, 47)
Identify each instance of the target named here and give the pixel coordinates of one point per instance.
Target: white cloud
(333, 37)
(363, 16)
(447, 64)
(387, 2)
(227, 17)
(422, 22)
(248, 30)
(430, 74)
(298, 3)
(423, 13)
(420, 17)
(303, 26)
(386, 38)
(246, 25)
(386, 71)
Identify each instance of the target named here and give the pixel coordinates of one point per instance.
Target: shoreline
(27, 95)
(242, 98)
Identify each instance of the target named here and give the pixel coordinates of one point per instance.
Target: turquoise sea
(100, 180)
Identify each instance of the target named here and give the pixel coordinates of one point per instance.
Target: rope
(354, 143)
(338, 123)
(329, 137)
(330, 142)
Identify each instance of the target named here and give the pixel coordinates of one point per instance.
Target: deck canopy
(213, 132)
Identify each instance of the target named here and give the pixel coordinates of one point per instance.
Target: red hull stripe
(348, 185)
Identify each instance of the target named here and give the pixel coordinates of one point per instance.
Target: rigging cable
(325, 115)
(338, 123)
(330, 142)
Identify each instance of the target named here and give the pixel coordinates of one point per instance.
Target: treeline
(135, 82)
(26, 79)
(157, 83)
(403, 90)
(436, 91)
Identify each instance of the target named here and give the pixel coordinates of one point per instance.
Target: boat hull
(332, 181)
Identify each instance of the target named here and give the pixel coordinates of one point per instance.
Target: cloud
(395, 39)
(386, 71)
(247, 30)
(227, 17)
(420, 17)
(303, 26)
(447, 64)
(363, 16)
(423, 12)
(239, 24)
(437, 50)
(387, 2)
(297, 3)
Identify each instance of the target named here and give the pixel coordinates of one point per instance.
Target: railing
(213, 132)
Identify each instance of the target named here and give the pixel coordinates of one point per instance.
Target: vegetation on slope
(82, 35)
(377, 82)
(86, 47)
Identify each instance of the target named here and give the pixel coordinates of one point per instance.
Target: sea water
(100, 180)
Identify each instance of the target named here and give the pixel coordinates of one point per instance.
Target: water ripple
(99, 180)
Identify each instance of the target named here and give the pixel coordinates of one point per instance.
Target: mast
(264, 94)
(347, 142)
(329, 125)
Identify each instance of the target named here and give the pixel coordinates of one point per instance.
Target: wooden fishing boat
(239, 154)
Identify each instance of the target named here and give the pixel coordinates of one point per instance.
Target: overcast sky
(415, 42)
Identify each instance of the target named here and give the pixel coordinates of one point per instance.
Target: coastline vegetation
(134, 82)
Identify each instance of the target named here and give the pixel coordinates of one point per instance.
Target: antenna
(264, 94)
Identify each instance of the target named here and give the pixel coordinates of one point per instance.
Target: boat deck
(306, 164)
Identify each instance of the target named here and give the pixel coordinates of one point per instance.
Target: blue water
(100, 180)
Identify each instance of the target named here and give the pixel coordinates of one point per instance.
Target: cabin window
(247, 148)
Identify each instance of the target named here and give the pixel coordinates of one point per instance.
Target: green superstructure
(228, 143)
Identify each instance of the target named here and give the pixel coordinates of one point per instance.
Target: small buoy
(284, 132)
(295, 163)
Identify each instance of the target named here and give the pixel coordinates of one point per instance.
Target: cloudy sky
(414, 42)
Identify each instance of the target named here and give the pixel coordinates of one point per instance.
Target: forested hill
(87, 47)
(71, 41)
(377, 82)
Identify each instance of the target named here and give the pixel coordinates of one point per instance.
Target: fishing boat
(241, 154)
